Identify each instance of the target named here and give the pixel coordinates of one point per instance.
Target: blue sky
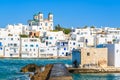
(68, 13)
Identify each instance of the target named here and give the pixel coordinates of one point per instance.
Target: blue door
(76, 58)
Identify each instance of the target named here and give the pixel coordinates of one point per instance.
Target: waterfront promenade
(94, 70)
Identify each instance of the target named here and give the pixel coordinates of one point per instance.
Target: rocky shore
(56, 71)
(39, 72)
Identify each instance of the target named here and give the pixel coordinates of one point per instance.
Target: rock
(30, 75)
(30, 68)
(42, 75)
(40, 72)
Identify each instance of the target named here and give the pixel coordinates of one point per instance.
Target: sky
(67, 13)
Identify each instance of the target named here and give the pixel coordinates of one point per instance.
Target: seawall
(94, 70)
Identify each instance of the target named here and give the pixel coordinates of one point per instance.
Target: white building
(48, 52)
(81, 37)
(17, 29)
(3, 32)
(11, 45)
(113, 55)
(62, 46)
(50, 38)
(1, 48)
(108, 35)
(29, 47)
(39, 23)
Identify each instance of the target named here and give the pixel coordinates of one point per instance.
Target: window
(46, 24)
(41, 24)
(0, 38)
(34, 34)
(11, 54)
(73, 30)
(15, 45)
(51, 24)
(6, 49)
(46, 43)
(63, 44)
(74, 43)
(88, 54)
(51, 37)
(31, 45)
(11, 38)
(33, 40)
(33, 49)
(26, 49)
(11, 44)
(64, 48)
(37, 45)
(117, 51)
(46, 37)
(26, 45)
(30, 49)
(0, 48)
(42, 50)
(62, 52)
(66, 53)
(49, 42)
(0, 43)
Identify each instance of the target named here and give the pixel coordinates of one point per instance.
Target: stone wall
(94, 57)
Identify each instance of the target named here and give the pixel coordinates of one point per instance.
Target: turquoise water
(10, 68)
(98, 76)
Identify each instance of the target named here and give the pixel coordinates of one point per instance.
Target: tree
(66, 30)
(23, 35)
(85, 26)
(92, 27)
(58, 27)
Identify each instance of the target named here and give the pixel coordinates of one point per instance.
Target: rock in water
(30, 68)
(43, 75)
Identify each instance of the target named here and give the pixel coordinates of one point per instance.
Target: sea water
(10, 69)
(96, 76)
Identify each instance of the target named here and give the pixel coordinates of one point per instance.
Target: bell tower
(50, 17)
(40, 16)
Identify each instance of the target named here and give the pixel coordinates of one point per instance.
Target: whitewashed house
(11, 46)
(49, 42)
(48, 52)
(29, 47)
(72, 44)
(62, 46)
(17, 29)
(81, 37)
(52, 37)
(113, 54)
(1, 47)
